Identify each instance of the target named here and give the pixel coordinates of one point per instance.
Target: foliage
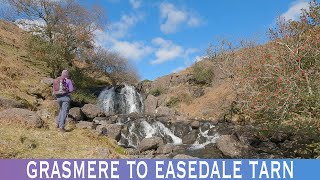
(155, 92)
(173, 101)
(203, 74)
(281, 78)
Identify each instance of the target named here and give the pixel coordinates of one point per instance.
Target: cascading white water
(124, 101)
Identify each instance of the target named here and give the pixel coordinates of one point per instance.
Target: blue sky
(161, 37)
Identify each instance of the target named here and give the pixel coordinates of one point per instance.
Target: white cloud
(135, 50)
(168, 51)
(294, 10)
(120, 29)
(135, 3)
(172, 18)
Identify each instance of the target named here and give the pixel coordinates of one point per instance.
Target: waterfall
(120, 100)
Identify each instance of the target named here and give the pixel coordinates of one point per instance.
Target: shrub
(155, 92)
(281, 79)
(202, 73)
(173, 101)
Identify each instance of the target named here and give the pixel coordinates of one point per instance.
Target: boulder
(183, 156)
(40, 91)
(231, 147)
(84, 125)
(190, 138)
(9, 103)
(102, 120)
(91, 111)
(113, 131)
(181, 129)
(150, 143)
(25, 116)
(150, 104)
(165, 149)
(195, 125)
(162, 110)
(47, 81)
(76, 114)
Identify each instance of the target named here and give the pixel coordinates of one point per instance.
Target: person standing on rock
(62, 87)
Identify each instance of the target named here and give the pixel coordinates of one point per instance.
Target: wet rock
(23, 116)
(150, 143)
(165, 149)
(191, 137)
(195, 125)
(150, 104)
(184, 156)
(231, 147)
(84, 125)
(181, 129)
(76, 114)
(91, 111)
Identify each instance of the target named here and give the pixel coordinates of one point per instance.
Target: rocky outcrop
(190, 138)
(150, 104)
(150, 143)
(91, 111)
(24, 116)
(183, 156)
(165, 149)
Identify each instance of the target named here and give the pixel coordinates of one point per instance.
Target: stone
(165, 149)
(150, 143)
(10, 103)
(45, 114)
(231, 147)
(181, 129)
(90, 111)
(84, 125)
(183, 156)
(195, 125)
(165, 111)
(25, 116)
(76, 114)
(102, 120)
(190, 138)
(162, 156)
(150, 104)
(112, 131)
(47, 81)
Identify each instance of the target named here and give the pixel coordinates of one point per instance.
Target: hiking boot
(62, 130)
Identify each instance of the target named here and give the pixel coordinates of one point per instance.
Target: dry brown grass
(17, 141)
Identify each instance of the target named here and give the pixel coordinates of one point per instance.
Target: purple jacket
(69, 85)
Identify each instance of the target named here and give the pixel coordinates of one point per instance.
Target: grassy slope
(18, 73)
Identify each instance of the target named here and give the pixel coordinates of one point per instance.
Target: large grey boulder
(24, 116)
(150, 143)
(113, 131)
(91, 111)
(76, 114)
(150, 104)
(233, 148)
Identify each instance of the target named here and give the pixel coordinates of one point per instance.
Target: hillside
(24, 84)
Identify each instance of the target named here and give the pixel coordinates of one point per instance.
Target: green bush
(155, 92)
(203, 74)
